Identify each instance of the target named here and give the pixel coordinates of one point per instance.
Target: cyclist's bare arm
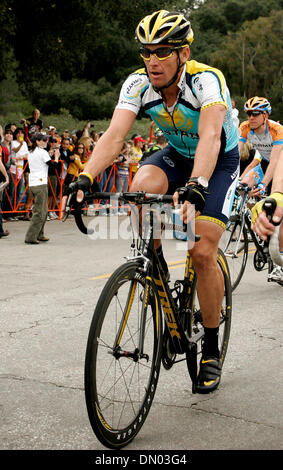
(209, 130)
(270, 170)
(277, 183)
(109, 145)
(262, 226)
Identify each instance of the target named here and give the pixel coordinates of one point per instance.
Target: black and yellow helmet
(165, 27)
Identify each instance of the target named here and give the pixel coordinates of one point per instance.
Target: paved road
(47, 297)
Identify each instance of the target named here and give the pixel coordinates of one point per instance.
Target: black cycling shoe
(209, 374)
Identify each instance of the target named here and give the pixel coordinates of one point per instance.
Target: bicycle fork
(138, 353)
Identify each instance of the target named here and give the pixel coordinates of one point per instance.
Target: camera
(91, 125)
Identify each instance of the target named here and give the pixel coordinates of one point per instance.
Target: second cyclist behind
(266, 137)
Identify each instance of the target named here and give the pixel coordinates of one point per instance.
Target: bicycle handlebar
(139, 197)
(269, 207)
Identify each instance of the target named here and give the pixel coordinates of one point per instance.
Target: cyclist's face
(161, 71)
(256, 121)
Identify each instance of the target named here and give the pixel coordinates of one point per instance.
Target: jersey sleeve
(131, 91)
(45, 156)
(276, 131)
(244, 129)
(210, 88)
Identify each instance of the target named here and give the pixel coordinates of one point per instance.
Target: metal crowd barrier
(17, 199)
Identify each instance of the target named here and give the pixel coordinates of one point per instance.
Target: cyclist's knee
(204, 252)
(203, 258)
(151, 179)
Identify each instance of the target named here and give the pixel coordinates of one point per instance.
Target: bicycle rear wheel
(123, 356)
(235, 245)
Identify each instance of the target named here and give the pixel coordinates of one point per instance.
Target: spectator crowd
(75, 148)
(16, 201)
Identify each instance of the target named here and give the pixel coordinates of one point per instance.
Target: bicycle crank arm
(191, 357)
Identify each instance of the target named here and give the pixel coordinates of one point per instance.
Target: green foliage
(12, 102)
(251, 58)
(80, 97)
(74, 55)
(7, 31)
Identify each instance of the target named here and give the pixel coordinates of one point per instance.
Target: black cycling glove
(83, 182)
(193, 193)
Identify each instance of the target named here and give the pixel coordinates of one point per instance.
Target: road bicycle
(139, 323)
(235, 241)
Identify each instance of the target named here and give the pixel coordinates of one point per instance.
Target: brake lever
(269, 207)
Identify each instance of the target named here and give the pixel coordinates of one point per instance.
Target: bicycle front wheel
(123, 356)
(235, 245)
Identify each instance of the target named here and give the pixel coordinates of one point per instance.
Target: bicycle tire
(116, 409)
(235, 250)
(225, 314)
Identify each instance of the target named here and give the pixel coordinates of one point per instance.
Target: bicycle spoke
(127, 386)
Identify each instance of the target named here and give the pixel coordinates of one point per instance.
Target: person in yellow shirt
(137, 153)
(74, 168)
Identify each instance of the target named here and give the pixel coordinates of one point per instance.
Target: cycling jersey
(221, 187)
(273, 135)
(200, 86)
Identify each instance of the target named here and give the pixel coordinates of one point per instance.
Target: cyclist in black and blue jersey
(191, 104)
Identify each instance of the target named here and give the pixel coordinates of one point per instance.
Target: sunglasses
(161, 53)
(253, 113)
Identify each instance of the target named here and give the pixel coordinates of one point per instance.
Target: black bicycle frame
(170, 309)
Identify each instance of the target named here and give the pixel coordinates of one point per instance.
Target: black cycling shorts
(222, 184)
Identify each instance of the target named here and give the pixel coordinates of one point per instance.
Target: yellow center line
(171, 265)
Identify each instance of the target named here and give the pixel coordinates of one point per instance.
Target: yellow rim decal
(102, 419)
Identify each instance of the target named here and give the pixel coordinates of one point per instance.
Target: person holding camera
(39, 162)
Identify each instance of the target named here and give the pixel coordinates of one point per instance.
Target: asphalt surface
(47, 298)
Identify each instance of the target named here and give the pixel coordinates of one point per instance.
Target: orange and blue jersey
(273, 135)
